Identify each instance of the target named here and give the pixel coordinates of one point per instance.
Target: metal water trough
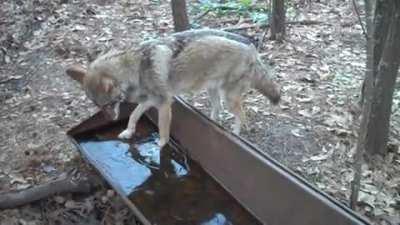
(205, 176)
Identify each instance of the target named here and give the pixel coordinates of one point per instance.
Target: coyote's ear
(76, 72)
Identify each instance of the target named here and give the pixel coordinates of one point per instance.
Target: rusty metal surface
(267, 189)
(100, 120)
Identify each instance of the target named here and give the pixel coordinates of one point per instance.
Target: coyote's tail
(262, 81)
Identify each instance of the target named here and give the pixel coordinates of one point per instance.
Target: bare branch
(199, 17)
(301, 22)
(67, 183)
(359, 18)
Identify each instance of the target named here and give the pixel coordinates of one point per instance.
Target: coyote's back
(224, 62)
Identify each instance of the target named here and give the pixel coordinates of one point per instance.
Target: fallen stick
(199, 17)
(244, 20)
(10, 79)
(302, 22)
(243, 27)
(71, 182)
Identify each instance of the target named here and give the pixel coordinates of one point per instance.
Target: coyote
(153, 72)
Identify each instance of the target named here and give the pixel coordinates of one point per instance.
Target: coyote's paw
(126, 134)
(162, 142)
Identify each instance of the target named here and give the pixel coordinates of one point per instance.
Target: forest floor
(313, 131)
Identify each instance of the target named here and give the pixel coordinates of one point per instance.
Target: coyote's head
(100, 87)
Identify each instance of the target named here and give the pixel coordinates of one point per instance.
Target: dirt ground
(312, 131)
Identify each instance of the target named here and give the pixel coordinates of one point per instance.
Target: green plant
(245, 3)
(258, 13)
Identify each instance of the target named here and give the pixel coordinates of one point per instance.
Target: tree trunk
(367, 88)
(278, 20)
(383, 59)
(179, 14)
(386, 65)
(381, 23)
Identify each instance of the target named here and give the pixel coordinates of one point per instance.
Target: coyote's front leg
(133, 119)
(164, 122)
